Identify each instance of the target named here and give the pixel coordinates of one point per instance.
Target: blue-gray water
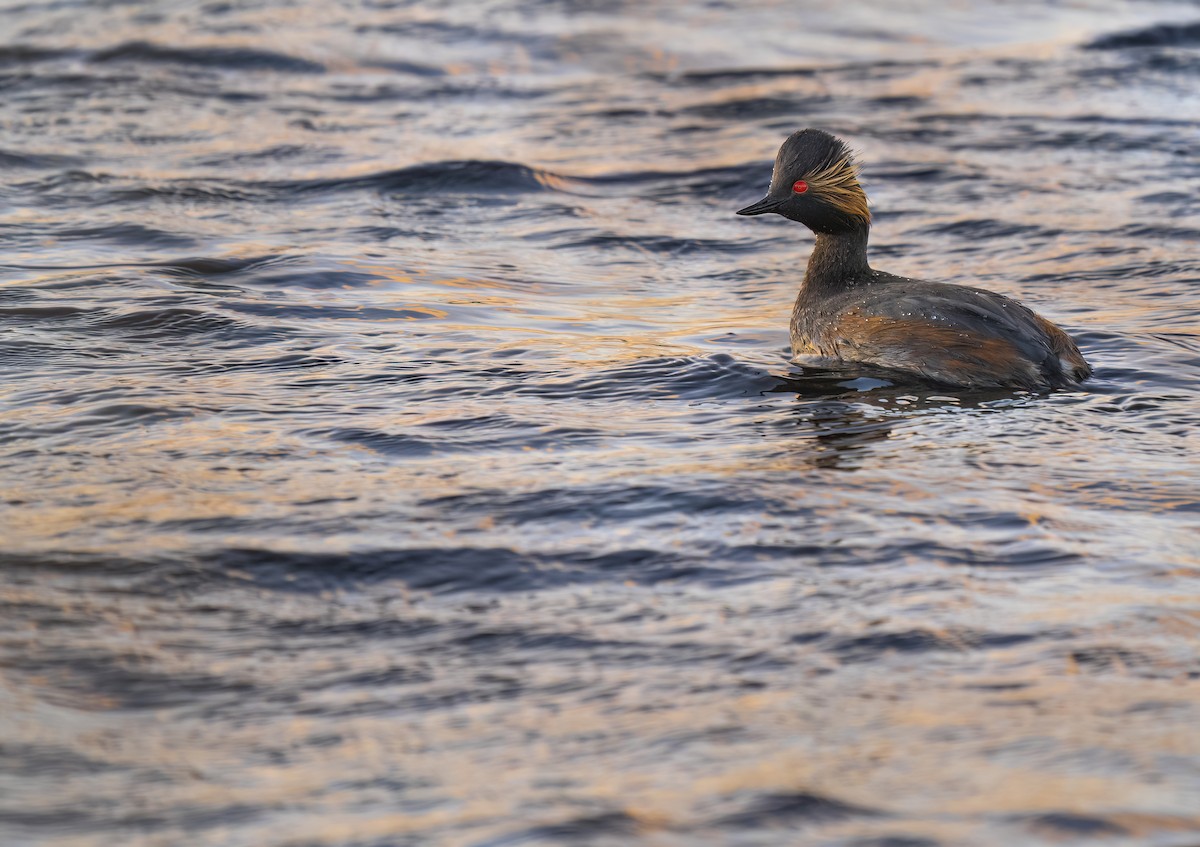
(398, 445)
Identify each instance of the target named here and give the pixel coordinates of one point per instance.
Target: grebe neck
(838, 262)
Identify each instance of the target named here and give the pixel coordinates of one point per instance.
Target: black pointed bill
(767, 204)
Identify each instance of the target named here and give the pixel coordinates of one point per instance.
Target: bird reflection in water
(847, 409)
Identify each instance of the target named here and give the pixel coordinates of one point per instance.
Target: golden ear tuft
(837, 184)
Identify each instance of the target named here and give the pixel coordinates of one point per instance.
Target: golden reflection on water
(855, 734)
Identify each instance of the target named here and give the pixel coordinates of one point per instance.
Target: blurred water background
(398, 444)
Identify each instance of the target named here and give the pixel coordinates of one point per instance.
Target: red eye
(799, 186)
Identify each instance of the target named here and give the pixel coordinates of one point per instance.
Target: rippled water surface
(398, 444)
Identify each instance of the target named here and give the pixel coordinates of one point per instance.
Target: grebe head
(815, 182)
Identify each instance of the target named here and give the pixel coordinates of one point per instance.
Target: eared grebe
(846, 310)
